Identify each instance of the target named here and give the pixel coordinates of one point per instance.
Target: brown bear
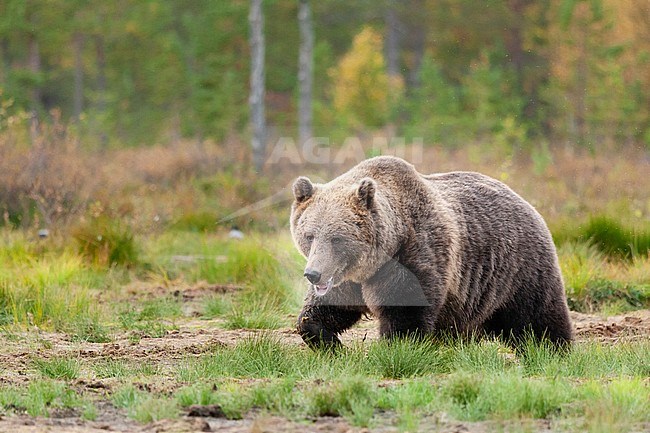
(453, 253)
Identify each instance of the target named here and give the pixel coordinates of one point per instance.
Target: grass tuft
(111, 368)
(216, 306)
(193, 395)
(106, 242)
(463, 389)
(152, 409)
(200, 222)
(250, 263)
(405, 357)
(144, 407)
(592, 284)
(152, 318)
(613, 239)
(58, 368)
(351, 397)
(39, 397)
(255, 316)
(90, 330)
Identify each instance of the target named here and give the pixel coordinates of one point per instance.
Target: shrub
(363, 88)
(107, 242)
(49, 180)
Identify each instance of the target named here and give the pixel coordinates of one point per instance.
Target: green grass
(89, 329)
(407, 381)
(45, 291)
(472, 381)
(595, 282)
(506, 396)
(40, 397)
(197, 395)
(610, 237)
(263, 357)
(258, 357)
(106, 242)
(196, 222)
(404, 358)
(150, 318)
(47, 285)
(153, 409)
(352, 398)
(251, 263)
(254, 316)
(166, 307)
(126, 397)
(262, 267)
(268, 272)
(466, 397)
(143, 406)
(110, 368)
(125, 369)
(216, 306)
(58, 368)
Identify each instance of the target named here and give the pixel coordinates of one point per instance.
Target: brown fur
(445, 253)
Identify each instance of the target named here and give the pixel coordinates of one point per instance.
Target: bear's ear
(302, 189)
(366, 191)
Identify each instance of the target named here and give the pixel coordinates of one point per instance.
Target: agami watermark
(321, 150)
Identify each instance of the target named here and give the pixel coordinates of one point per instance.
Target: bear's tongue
(321, 289)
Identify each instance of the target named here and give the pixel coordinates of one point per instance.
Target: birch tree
(256, 101)
(305, 71)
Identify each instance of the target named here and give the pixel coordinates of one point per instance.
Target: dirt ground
(195, 336)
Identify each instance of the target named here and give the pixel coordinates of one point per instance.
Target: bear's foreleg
(323, 318)
(395, 297)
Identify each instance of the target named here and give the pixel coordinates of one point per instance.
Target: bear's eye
(309, 238)
(337, 240)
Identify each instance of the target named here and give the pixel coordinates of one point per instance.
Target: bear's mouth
(323, 288)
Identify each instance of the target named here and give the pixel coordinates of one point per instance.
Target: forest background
(132, 73)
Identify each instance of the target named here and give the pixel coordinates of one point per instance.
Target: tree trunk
(305, 72)
(78, 44)
(34, 60)
(392, 39)
(256, 100)
(513, 38)
(582, 78)
(415, 42)
(5, 61)
(529, 76)
(101, 88)
(419, 41)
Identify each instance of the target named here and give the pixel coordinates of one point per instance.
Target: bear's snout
(312, 275)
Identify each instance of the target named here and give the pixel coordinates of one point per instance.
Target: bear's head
(335, 227)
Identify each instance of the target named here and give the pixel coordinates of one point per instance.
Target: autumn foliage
(362, 89)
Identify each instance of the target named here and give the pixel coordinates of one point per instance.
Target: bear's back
(482, 195)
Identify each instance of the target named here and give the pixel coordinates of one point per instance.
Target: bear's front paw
(315, 335)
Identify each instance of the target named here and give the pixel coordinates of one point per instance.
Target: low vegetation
(125, 276)
(592, 386)
(470, 381)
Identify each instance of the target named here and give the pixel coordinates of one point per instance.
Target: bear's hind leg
(543, 320)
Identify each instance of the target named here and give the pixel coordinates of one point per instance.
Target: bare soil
(194, 337)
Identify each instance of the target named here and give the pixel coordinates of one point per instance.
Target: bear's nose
(312, 275)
